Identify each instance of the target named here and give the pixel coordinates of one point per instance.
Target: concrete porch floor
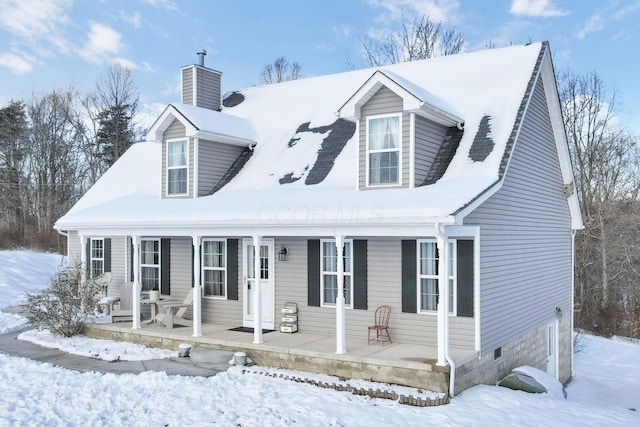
(405, 364)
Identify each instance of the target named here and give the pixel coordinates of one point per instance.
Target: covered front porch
(405, 364)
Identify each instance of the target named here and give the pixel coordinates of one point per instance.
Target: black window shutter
(88, 257)
(232, 269)
(465, 278)
(131, 259)
(193, 273)
(165, 266)
(107, 255)
(313, 273)
(409, 278)
(360, 274)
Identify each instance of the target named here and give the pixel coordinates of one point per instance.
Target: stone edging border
(379, 394)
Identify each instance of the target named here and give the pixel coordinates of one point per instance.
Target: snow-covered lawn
(31, 393)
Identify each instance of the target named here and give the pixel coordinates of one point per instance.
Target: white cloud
(148, 67)
(16, 64)
(626, 11)
(163, 4)
(536, 8)
(126, 63)
(31, 21)
(134, 18)
(102, 41)
(593, 25)
(436, 10)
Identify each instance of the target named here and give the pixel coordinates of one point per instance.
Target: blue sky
(46, 44)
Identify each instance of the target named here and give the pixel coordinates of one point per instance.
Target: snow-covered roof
(204, 123)
(285, 182)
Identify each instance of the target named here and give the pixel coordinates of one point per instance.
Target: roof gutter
(444, 301)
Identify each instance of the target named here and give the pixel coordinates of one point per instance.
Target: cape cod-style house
(445, 187)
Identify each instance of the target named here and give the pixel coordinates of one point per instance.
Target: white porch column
(83, 259)
(340, 323)
(443, 299)
(257, 292)
(197, 288)
(136, 288)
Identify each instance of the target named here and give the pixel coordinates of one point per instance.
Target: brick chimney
(201, 86)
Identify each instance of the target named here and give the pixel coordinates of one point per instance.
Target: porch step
(210, 356)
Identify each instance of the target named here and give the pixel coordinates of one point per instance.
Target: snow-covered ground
(606, 385)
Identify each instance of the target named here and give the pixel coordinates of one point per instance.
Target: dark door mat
(245, 329)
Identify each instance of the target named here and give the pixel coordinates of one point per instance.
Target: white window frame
(211, 268)
(169, 168)
(368, 183)
(146, 265)
(453, 279)
(94, 257)
(324, 273)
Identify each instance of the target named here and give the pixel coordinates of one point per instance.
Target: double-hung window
(97, 257)
(428, 274)
(150, 264)
(177, 169)
(329, 272)
(383, 149)
(214, 267)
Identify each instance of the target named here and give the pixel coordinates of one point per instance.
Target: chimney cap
(201, 54)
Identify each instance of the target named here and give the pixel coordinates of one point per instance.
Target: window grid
(329, 272)
(97, 257)
(428, 275)
(384, 141)
(177, 168)
(150, 264)
(214, 267)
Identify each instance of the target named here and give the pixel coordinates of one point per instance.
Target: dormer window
(177, 169)
(383, 149)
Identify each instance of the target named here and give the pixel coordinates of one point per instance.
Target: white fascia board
(226, 139)
(560, 136)
(351, 108)
(438, 115)
(410, 101)
(156, 131)
(230, 229)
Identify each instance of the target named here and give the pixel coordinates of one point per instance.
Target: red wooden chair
(381, 325)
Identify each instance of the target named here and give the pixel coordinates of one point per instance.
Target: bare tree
(280, 71)
(606, 158)
(53, 160)
(417, 38)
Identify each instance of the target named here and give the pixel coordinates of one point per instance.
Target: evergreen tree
(13, 127)
(117, 103)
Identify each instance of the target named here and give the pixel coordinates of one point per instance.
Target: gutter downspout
(444, 300)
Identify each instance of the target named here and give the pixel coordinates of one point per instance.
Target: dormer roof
(415, 99)
(204, 123)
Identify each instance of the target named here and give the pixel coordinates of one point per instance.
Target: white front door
(552, 348)
(267, 282)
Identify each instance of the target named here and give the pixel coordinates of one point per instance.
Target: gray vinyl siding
(208, 87)
(525, 237)
(223, 311)
(214, 159)
(384, 101)
(187, 85)
(428, 139)
(177, 130)
(73, 248)
(384, 287)
(119, 263)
